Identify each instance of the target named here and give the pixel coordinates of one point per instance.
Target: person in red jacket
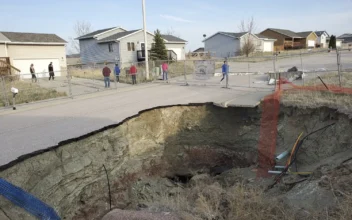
(106, 74)
(133, 72)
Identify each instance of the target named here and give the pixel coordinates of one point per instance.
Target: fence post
(300, 53)
(69, 77)
(184, 72)
(338, 65)
(274, 63)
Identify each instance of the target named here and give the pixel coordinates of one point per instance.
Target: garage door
(268, 46)
(40, 66)
(311, 43)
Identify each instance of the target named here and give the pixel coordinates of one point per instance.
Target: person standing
(117, 72)
(165, 68)
(51, 71)
(225, 72)
(106, 74)
(133, 72)
(32, 71)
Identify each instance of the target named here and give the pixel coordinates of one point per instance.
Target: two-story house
(119, 45)
(228, 44)
(322, 40)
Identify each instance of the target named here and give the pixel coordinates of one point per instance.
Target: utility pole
(339, 65)
(145, 42)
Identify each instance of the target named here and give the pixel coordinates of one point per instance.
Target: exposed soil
(167, 152)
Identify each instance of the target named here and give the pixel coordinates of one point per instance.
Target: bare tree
(248, 45)
(80, 28)
(172, 32)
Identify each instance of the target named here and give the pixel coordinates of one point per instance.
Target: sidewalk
(38, 126)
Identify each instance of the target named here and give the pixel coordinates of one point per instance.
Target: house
(120, 45)
(227, 44)
(347, 40)
(308, 38)
(285, 39)
(23, 49)
(322, 39)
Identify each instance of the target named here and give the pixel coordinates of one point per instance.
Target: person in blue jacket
(225, 71)
(117, 72)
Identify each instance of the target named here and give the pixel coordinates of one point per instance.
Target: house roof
(117, 36)
(347, 35)
(319, 33)
(260, 36)
(304, 33)
(287, 33)
(19, 37)
(92, 34)
(229, 34)
(201, 49)
(235, 35)
(172, 38)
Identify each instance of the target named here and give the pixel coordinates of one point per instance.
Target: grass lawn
(315, 99)
(28, 92)
(175, 69)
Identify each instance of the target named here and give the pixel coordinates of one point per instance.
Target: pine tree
(158, 51)
(332, 43)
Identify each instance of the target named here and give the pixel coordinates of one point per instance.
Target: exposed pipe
(274, 172)
(280, 167)
(282, 155)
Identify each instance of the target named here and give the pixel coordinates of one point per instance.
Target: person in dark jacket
(106, 74)
(32, 71)
(117, 72)
(51, 71)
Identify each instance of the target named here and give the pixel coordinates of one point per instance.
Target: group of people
(106, 73)
(50, 69)
(133, 72)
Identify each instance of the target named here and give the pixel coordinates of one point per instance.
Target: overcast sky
(189, 19)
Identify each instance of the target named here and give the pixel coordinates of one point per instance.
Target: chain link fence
(300, 67)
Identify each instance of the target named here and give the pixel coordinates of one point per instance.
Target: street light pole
(145, 42)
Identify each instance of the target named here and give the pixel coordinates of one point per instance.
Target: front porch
(294, 43)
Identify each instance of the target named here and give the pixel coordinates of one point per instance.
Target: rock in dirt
(118, 214)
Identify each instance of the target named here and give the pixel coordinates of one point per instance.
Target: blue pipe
(27, 201)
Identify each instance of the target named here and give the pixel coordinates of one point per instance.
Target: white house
(322, 39)
(23, 49)
(227, 44)
(119, 45)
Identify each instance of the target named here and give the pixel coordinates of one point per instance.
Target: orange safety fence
(270, 117)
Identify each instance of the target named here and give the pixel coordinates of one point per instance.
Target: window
(130, 46)
(111, 47)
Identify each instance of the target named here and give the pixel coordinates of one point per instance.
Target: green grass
(28, 92)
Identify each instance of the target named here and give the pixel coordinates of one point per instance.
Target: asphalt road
(38, 126)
